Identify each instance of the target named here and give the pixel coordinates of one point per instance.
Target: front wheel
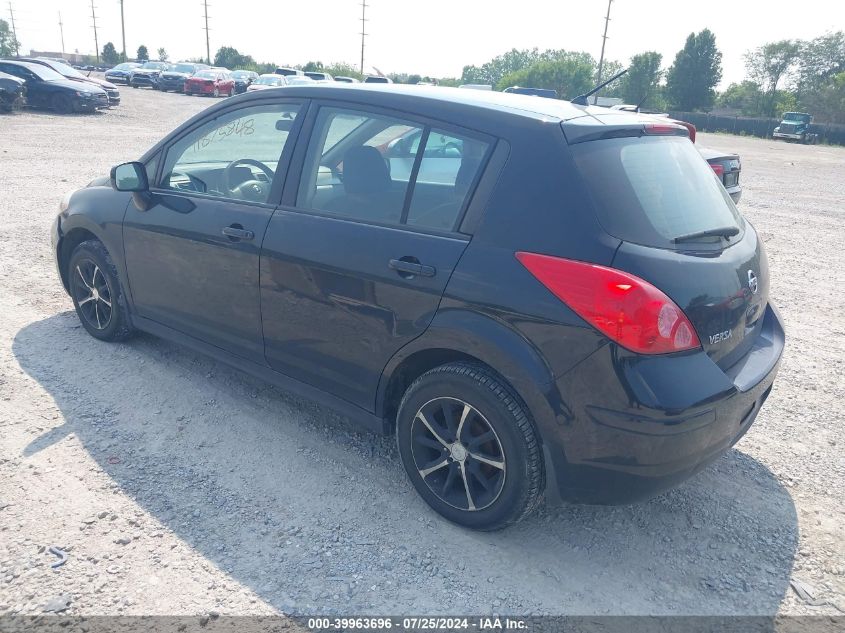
(216, 92)
(62, 104)
(469, 448)
(96, 292)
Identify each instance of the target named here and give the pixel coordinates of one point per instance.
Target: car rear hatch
(679, 228)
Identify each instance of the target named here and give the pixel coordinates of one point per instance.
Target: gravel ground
(154, 468)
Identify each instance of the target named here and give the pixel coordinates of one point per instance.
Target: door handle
(237, 232)
(410, 267)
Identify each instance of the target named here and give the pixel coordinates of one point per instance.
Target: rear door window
(650, 190)
(376, 168)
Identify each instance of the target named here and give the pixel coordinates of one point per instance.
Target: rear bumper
(735, 193)
(633, 426)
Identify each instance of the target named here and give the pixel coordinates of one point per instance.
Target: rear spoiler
(592, 128)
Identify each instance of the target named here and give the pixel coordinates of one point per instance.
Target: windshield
(795, 116)
(45, 73)
(270, 81)
(155, 65)
(183, 68)
(240, 74)
(64, 69)
(651, 190)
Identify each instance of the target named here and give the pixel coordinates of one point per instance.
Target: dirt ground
(176, 485)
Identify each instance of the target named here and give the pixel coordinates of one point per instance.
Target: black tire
(93, 281)
(493, 479)
(62, 104)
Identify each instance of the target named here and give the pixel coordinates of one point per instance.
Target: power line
(96, 43)
(62, 32)
(603, 42)
(123, 30)
(364, 6)
(207, 42)
(14, 30)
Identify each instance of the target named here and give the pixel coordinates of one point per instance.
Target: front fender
(96, 211)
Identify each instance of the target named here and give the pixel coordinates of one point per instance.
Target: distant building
(73, 58)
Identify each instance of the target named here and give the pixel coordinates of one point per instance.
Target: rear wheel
(62, 104)
(469, 448)
(96, 292)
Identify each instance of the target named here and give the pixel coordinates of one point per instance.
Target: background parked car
(45, 88)
(148, 74)
(174, 77)
(347, 80)
(12, 92)
(319, 76)
(69, 72)
(375, 79)
(121, 72)
(534, 92)
(211, 82)
(268, 81)
(243, 79)
(288, 71)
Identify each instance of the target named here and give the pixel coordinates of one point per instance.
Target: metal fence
(828, 132)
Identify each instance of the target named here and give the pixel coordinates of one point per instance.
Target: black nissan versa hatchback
(535, 297)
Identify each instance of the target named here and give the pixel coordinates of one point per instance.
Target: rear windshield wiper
(725, 231)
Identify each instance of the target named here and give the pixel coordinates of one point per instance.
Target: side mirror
(130, 177)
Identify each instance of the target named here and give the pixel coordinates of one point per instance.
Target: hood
(172, 74)
(93, 81)
(119, 72)
(10, 82)
(146, 71)
(79, 86)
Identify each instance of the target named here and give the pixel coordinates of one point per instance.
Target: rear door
(354, 263)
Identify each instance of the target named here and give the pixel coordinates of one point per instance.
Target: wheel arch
(465, 335)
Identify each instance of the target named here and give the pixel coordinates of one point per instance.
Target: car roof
(401, 96)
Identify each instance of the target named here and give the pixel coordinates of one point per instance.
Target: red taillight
(664, 129)
(625, 308)
(719, 169)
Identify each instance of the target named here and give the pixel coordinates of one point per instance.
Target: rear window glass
(650, 190)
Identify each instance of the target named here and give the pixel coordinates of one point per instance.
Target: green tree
(493, 71)
(570, 75)
(162, 54)
(229, 57)
(819, 60)
(110, 55)
(768, 65)
(639, 84)
(827, 103)
(142, 55)
(697, 70)
(8, 44)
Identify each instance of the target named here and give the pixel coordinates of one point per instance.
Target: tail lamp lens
(718, 168)
(623, 307)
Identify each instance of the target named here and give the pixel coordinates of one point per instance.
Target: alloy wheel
(91, 293)
(458, 454)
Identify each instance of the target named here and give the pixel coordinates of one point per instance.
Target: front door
(355, 266)
(192, 257)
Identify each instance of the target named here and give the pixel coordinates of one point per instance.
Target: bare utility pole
(96, 43)
(62, 33)
(14, 30)
(603, 42)
(207, 41)
(123, 30)
(363, 30)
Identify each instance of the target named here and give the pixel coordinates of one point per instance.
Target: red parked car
(210, 82)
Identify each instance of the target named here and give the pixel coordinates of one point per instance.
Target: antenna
(123, 30)
(364, 6)
(14, 30)
(603, 42)
(207, 42)
(62, 32)
(96, 44)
